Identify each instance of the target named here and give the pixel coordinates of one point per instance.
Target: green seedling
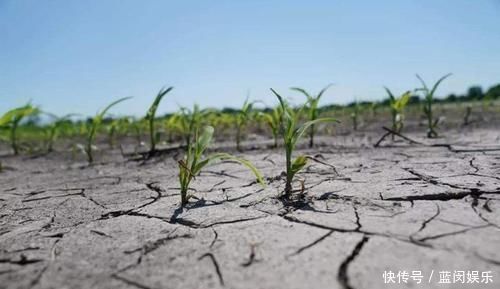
(174, 127)
(244, 115)
(190, 121)
(117, 127)
(112, 128)
(312, 108)
(292, 132)
(194, 161)
(397, 109)
(273, 120)
(11, 120)
(54, 129)
(94, 127)
(137, 128)
(428, 102)
(150, 117)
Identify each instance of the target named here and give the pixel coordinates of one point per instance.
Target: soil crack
(343, 276)
(216, 265)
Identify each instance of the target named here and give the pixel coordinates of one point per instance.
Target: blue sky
(77, 56)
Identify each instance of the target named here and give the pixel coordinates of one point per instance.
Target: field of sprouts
(396, 195)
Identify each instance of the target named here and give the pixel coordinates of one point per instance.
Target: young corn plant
(173, 126)
(112, 132)
(312, 108)
(94, 127)
(397, 109)
(137, 128)
(273, 120)
(54, 129)
(428, 101)
(116, 128)
(190, 121)
(244, 115)
(194, 161)
(11, 120)
(292, 132)
(150, 117)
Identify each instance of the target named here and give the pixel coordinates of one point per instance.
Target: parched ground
(117, 224)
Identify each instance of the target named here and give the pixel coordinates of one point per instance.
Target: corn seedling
(112, 128)
(397, 108)
(117, 127)
(428, 102)
(174, 127)
(292, 132)
(94, 127)
(244, 115)
(190, 121)
(13, 118)
(194, 161)
(150, 117)
(54, 128)
(273, 120)
(312, 108)
(136, 126)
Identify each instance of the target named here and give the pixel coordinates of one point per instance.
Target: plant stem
(394, 126)
(288, 186)
(311, 136)
(152, 134)
(432, 133)
(184, 199)
(13, 138)
(50, 145)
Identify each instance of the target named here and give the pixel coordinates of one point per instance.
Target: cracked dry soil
(117, 224)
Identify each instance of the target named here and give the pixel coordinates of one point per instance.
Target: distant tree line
(474, 93)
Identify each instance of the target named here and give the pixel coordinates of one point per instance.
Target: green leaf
(303, 91)
(324, 90)
(152, 109)
(424, 85)
(16, 114)
(96, 121)
(439, 82)
(288, 116)
(204, 140)
(391, 96)
(402, 101)
(100, 116)
(298, 164)
(283, 103)
(303, 128)
(225, 156)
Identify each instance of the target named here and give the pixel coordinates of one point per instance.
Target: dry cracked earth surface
(117, 224)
